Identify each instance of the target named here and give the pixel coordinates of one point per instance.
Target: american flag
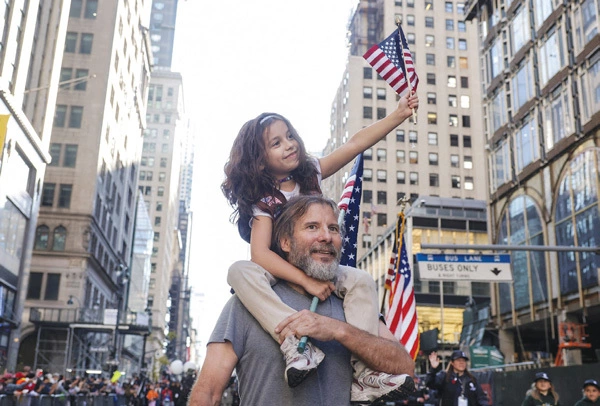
(401, 317)
(386, 58)
(350, 207)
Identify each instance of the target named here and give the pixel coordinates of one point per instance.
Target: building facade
(31, 38)
(83, 243)
(539, 62)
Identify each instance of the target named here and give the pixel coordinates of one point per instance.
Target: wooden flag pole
(410, 90)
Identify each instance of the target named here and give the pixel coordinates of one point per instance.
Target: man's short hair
(294, 209)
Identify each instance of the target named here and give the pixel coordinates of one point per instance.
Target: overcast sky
(239, 58)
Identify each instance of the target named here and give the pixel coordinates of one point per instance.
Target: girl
(542, 392)
(455, 385)
(267, 166)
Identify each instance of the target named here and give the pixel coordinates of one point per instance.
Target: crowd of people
(27, 386)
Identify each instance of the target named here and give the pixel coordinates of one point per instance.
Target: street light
(70, 301)
(122, 274)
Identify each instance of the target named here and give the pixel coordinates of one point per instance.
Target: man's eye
(334, 229)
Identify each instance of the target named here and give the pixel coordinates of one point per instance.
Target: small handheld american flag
(392, 59)
(350, 209)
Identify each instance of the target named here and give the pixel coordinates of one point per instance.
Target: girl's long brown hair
(535, 393)
(246, 178)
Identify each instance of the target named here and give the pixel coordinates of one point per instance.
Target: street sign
(465, 267)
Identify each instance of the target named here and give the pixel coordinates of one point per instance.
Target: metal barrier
(109, 399)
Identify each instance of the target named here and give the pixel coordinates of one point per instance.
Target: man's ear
(286, 245)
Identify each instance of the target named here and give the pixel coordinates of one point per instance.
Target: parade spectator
(456, 385)
(591, 393)
(542, 392)
(151, 395)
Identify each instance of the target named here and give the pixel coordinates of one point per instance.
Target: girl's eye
(290, 137)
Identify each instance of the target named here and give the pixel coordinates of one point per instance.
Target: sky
(239, 58)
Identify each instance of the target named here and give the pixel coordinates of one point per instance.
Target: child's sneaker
(373, 387)
(298, 366)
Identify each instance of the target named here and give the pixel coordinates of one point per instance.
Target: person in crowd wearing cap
(542, 392)
(591, 393)
(456, 386)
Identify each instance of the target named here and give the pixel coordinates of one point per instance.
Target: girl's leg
(252, 284)
(361, 306)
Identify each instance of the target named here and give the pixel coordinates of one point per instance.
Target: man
(308, 236)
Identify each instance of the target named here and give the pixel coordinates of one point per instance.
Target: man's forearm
(378, 353)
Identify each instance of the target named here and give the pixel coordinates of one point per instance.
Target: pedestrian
(542, 392)
(455, 386)
(307, 235)
(268, 165)
(591, 393)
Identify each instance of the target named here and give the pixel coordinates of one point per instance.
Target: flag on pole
(392, 59)
(350, 210)
(401, 317)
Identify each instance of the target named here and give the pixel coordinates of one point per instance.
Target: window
(414, 178)
(157, 221)
(381, 155)
(381, 113)
(557, 116)
(522, 84)
(71, 42)
(55, 154)
(368, 154)
(60, 115)
(455, 181)
(463, 62)
(65, 75)
(432, 138)
(81, 74)
(48, 194)
(449, 7)
(410, 3)
(70, 157)
(34, 289)
(367, 174)
(454, 140)
(433, 159)
(519, 28)
(400, 177)
(429, 22)
(367, 73)
(413, 157)
(468, 162)
(464, 82)
(91, 9)
(449, 24)
(42, 234)
(410, 38)
(430, 59)
(462, 27)
(462, 44)
(410, 20)
(160, 192)
(412, 137)
(454, 161)
(381, 176)
(431, 78)
(59, 238)
(367, 112)
(428, 5)
(75, 117)
(465, 102)
(399, 135)
(85, 47)
(159, 206)
(163, 162)
(468, 183)
(451, 61)
(526, 144)
(467, 141)
(494, 57)
(453, 120)
(466, 121)
(76, 6)
(400, 156)
(429, 41)
(64, 196)
(452, 101)
(162, 176)
(366, 240)
(449, 43)
(451, 81)
(431, 98)
(367, 92)
(431, 118)
(434, 180)
(367, 196)
(381, 219)
(381, 197)
(381, 94)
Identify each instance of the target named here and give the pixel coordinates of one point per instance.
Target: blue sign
(465, 267)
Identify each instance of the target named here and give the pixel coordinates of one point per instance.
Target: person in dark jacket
(456, 386)
(591, 393)
(542, 392)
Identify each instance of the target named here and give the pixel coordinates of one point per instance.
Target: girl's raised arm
(368, 136)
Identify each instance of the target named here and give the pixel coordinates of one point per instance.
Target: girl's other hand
(433, 359)
(320, 289)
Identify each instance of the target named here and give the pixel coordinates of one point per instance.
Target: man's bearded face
(301, 256)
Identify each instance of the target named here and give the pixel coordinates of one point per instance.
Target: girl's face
(591, 392)
(543, 385)
(282, 150)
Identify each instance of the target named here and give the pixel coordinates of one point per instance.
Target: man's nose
(325, 234)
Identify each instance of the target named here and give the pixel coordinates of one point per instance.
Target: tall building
(541, 110)
(83, 244)
(162, 31)
(440, 155)
(31, 38)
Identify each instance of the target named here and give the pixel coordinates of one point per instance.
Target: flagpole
(410, 90)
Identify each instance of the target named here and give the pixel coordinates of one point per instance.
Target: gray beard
(314, 269)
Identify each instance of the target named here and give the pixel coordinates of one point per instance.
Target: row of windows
(463, 61)
(64, 195)
(450, 44)
(155, 118)
(68, 153)
(149, 161)
(150, 147)
(465, 101)
(153, 133)
(428, 5)
(413, 177)
(84, 40)
(78, 82)
(69, 116)
(147, 190)
(413, 157)
(90, 9)
(452, 81)
(149, 176)
(43, 242)
(431, 140)
(48, 283)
